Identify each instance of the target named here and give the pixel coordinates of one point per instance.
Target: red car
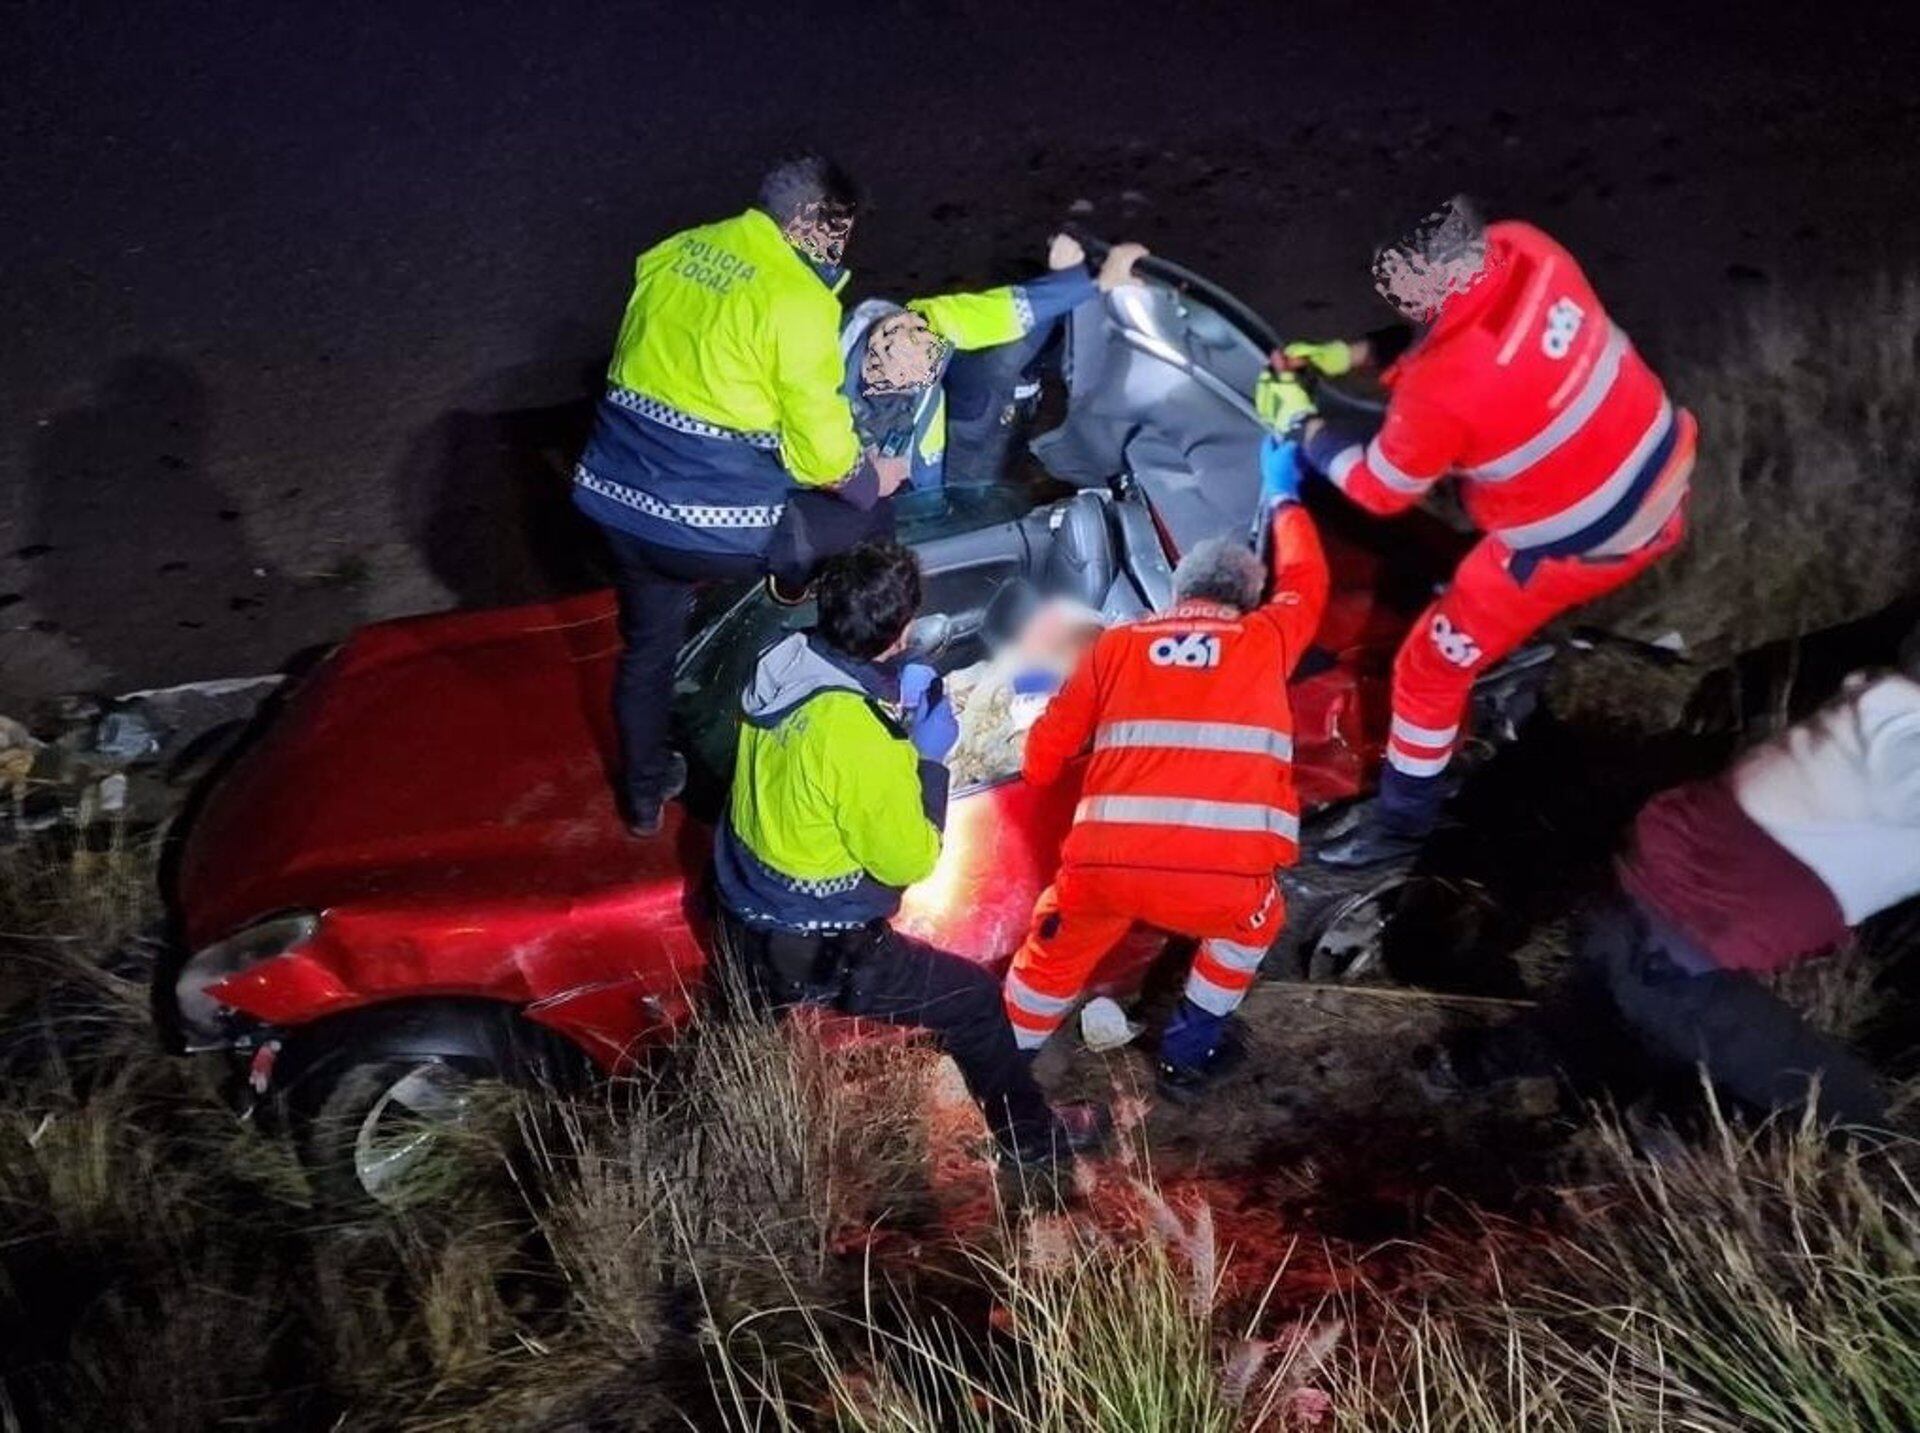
(416, 874)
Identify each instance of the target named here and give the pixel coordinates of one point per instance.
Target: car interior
(1157, 446)
(1098, 548)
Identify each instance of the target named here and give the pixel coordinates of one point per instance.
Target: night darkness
(292, 293)
(1308, 964)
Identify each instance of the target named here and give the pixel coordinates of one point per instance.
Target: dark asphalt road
(296, 297)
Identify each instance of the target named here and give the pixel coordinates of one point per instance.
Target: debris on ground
(80, 757)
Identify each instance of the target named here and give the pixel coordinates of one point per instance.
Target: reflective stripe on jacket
(1189, 727)
(832, 812)
(969, 322)
(1562, 436)
(723, 394)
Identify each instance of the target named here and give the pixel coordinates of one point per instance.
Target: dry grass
(1767, 1280)
(1806, 500)
(687, 1253)
(164, 1267)
(1764, 1281)
(1086, 1329)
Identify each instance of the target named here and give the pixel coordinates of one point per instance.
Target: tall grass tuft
(1081, 1328)
(1765, 1280)
(740, 1174)
(1806, 497)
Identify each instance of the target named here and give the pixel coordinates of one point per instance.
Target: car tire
(374, 1096)
(1339, 927)
(372, 1137)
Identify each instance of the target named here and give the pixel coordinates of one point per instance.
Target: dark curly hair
(796, 185)
(867, 597)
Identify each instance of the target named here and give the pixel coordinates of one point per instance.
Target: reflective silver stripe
(686, 514)
(1182, 811)
(1417, 765)
(1567, 422)
(1390, 474)
(1033, 1002)
(1022, 309)
(680, 421)
(824, 886)
(1212, 998)
(1195, 736)
(1343, 464)
(1233, 955)
(1413, 735)
(1647, 524)
(1598, 503)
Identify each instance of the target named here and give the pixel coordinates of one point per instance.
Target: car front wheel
(1374, 927)
(391, 1129)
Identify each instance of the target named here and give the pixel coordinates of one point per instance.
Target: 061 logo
(1185, 649)
(1453, 644)
(1563, 323)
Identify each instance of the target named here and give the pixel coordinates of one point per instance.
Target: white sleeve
(1893, 768)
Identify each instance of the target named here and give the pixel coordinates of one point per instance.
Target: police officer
(724, 447)
(953, 362)
(1573, 463)
(839, 796)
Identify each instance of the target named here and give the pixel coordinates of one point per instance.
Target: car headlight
(202, 1017)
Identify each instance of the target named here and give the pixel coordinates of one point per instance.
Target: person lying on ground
(956, 360)
(1187, 810)
(1733, 878)
(839, 796)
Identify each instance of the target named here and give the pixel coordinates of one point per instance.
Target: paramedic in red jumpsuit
(1573, 463)
(1187, 810)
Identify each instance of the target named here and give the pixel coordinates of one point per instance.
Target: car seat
(1079, 561)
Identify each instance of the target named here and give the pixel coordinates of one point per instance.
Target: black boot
(646, 814)
(1188, 1084)
(1392, 827)
(1077, 1129)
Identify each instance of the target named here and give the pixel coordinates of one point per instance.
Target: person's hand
(1335, 358)
(1279, 472)
(893, 472)
(1281, 401)
(1117, 268)
(1065, 252)
(915, 679)
(937, 732)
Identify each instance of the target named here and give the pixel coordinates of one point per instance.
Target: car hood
(455, 758)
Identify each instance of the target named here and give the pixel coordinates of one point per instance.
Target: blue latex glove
(915, 678)
(935, 732)
(1280, 472)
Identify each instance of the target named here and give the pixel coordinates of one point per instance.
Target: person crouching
(1188, 809)
(838, 801)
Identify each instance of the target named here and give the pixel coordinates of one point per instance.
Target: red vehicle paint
(416, 876)
(439, 791)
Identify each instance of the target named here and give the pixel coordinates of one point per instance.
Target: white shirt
(1841, 791)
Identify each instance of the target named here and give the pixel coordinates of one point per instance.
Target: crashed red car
(416, 873)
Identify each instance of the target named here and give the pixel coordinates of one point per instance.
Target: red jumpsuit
(1187, 809)
(1573, 462)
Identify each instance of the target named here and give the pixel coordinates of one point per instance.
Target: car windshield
(734, 622)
